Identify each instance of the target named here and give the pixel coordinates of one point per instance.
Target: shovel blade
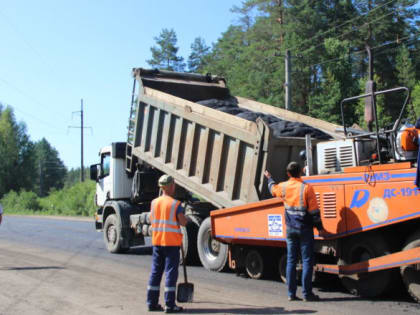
(185, 292)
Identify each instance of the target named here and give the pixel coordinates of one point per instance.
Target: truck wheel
(361, 248)
(282, 263)
(112, 235)
(145, 230)
(254, 264)
(213, 254)
(411, 274)
(189, 239)
(143, 216)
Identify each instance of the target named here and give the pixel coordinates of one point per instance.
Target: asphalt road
(61, 266)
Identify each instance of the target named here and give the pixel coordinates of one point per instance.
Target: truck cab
(112, 182)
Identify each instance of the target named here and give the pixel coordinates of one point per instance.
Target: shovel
(185, 291)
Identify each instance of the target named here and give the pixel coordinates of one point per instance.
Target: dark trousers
(164, 258)
(300, 241)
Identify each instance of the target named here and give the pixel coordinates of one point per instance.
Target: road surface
(61, 266)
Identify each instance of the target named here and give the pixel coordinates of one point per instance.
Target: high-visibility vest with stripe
(299, 202)
(165, 226)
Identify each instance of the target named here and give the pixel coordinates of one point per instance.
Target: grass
(77, 200)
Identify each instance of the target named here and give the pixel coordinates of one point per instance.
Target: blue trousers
(303, 242)
(164, 258)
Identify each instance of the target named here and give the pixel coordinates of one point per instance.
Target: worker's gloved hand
(267, 174)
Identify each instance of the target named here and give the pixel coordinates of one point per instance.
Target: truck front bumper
(98, 221)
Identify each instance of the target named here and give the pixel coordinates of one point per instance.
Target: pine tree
(405, 69)
(164, 55)
(198, 56)
(52, 171)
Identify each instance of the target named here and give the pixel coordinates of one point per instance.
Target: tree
(52, 171)
(73, 176)
(415, 97)
(405, 69)
(17, 169)
(334, 83)
(327, 41)
(164, 55)
(197, 58)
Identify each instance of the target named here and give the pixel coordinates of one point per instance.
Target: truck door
(103, 186)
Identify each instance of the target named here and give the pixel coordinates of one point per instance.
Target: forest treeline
(34, 178)
(327, 43)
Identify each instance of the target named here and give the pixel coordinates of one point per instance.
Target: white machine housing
(334, 156)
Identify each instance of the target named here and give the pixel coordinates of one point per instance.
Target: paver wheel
(361, 248)
(411, 274)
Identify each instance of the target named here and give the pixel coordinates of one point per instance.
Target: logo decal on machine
(360, 197)
(378, 210)
(275, 225)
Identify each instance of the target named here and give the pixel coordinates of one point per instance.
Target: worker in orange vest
(166, 217)
(302, 214)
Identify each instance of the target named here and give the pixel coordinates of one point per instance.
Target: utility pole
(40, 179)
(82, 169)
(288, 83)
(82, 127)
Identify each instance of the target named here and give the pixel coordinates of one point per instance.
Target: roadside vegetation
(76, 200)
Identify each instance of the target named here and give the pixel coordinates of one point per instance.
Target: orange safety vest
(165, 226)
(300, 203)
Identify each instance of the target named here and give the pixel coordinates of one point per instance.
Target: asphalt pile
(279, 127)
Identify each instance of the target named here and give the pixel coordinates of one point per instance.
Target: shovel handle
(183, 264)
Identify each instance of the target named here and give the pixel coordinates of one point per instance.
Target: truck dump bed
(213, 154)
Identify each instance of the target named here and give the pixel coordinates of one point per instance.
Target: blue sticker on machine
(275, 225)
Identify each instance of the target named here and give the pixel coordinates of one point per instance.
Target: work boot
(174, 309)
(311, 298)
(155, 308)
(293, 298)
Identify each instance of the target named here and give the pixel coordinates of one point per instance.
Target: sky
(55, 53)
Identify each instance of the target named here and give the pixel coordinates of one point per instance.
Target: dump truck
(369, 203)
(216, 158)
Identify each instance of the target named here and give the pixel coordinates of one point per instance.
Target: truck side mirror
(95, 171)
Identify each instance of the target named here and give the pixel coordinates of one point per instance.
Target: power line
(341, 25)
(399, 41)
(353, 30)
(32, 100)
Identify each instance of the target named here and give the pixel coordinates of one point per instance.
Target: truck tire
(282, 263)
(361, 248)
(112, 235)
(143, 217)
(145, 230)
(411, 274)
(189, 239)
(254, 264)
(213, 254)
